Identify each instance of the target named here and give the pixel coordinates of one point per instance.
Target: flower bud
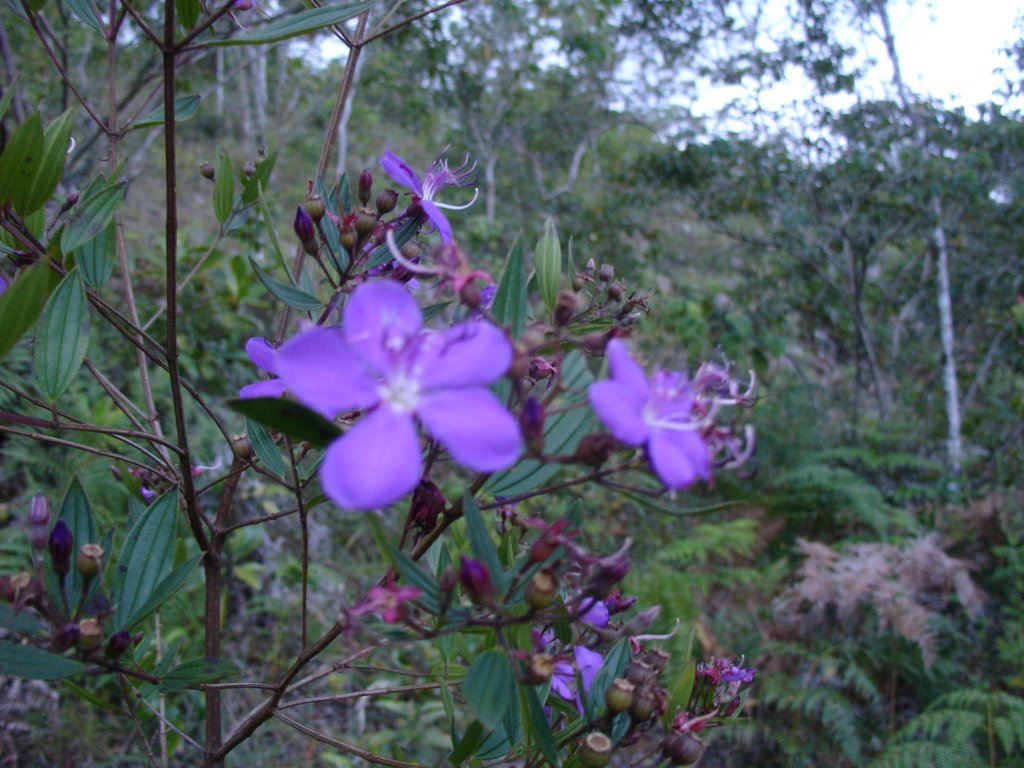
(520, 363)
(411, 251)
(39, 511)
(578, 283)
(90, 560)
(60, 545)
(642, 707)
(531, 423)
(541, 590)
(608, 572)
(588, 270)
(596, 750)
(619, 695)
(476, 580)
(616, 291)
(366, 222)
(206, 170)
(66, 637)
(71, 199)
(386, 201)
(565, 307)
(248, 169)
(469, 294)
(315, 208)
(594, 449)
(606, 273)
(596, 342)
(348, 237)
(118, 643)
(681, 748)
(365, 186)
(305, 230)
(427, 503)
(90, 634)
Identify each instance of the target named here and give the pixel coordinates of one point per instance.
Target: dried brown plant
(905, 587)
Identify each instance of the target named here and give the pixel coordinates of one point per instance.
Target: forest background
(863, 260)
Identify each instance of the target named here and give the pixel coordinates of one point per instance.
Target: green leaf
(540, 730)
(223, 187)
(490, 687)
(405, 232)
(5, 100)
(21, 304)
(295, 24)
(22, 623)
(510, 300)
(481, 544)
(79, 518)
(329, 228)
(468, 744)
(20, 162)
(345, 195)
(62, 338)
(165, 590)
(614, 665)
(264, 447)
(679, 691)
(188, 14)
(184, 107)
(85, 13)
(95, 259)
(91, 217)
(407, 568)
(268, 224)
(88, 696)
(289, 417)
(34, 664)
(147, 557)
(547, 259)
(293, 297)
(196, 671)
(50, 167)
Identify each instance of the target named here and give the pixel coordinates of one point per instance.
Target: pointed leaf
(481, 544)
(85, 13)
(223, 187)
(164, 591)
(288, 416)
(22, 623)
(264, 447)
(20, 162)
(490, 687)
(295, 24)
(510, 301)
(188, 14)
(197, 671)
(268, 224)
(21, 304)
(79, 518)
(95, 259)
(91, 217)
(63, 337)
(5, 100)
(468, 744)
(34, 664)
(293, 297)
(614, 665)
(258, 180)
(539, 728)
(407, 568)
(184, 108)
(547, 260)
(147, 557)
(50, 168)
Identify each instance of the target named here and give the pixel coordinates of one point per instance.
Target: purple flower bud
(304, 228)
(531, 422)
(365, 186)
(60, 546)
(476, 580)
(39, 511)
(66, 637)
(607, 572)
(427, 503)
(118, 643)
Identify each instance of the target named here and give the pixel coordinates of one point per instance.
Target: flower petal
(624, 369)
(467, 355)
(400, 171)
(323, 372)
(268, 388)
(561, 679)
(588, 662)
(679, 457)
(375, 463)
(438, 219)
(596, 613)
(262, 354)
(620, 408)
(474, 426)
(380, 319)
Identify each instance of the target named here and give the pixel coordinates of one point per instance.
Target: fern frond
(928, 754)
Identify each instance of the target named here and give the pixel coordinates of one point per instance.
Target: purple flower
(438, 176)
(587, 662)
(263, 356)
(3, 284)
(384, 361)
(657, 413)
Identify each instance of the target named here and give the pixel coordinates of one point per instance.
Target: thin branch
(408, 20)
(370, 757)
(335, 698)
